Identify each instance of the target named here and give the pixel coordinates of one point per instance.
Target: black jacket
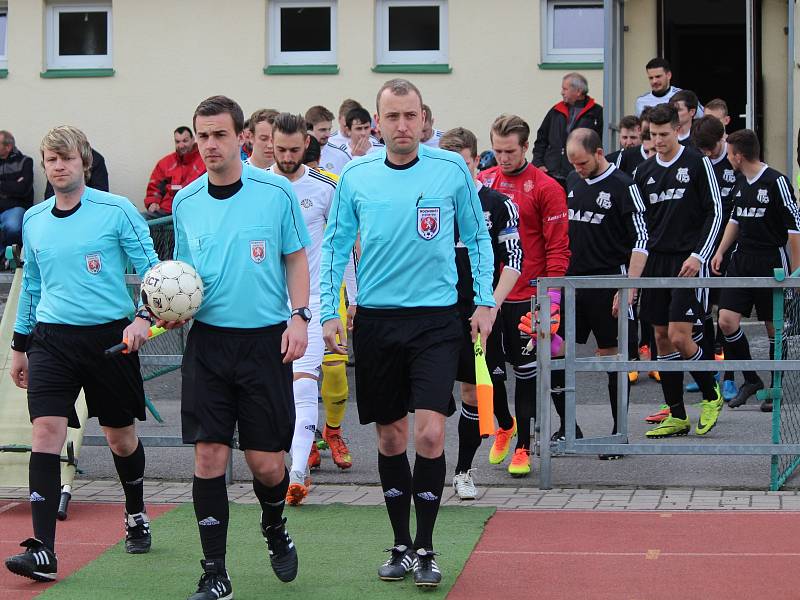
(549, 149)
(98, 175)
(16, 180)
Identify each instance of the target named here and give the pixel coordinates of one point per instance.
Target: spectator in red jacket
(173, 172)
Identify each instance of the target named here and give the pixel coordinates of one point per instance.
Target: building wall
(170, 55)
(773, 72)
(639, 47)
(796, 104)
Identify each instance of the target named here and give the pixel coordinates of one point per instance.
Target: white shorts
(311, 361)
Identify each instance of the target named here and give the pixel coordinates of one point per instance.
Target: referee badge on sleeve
(258, 250)
(428, 222)
(93, 263)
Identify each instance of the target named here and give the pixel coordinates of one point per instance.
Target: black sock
(708, 340)
(428, 485)
(396, 481)
(44, 478)
(648, 336)
(705, 379)
(672, 387)
(525, 403)
(557, 378)
(272, 499)
(469, 437)
(210, 498)
(131, 474)
(738, 348)
(612, 397)
(500, 402)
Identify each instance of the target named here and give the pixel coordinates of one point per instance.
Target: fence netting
(786, 415)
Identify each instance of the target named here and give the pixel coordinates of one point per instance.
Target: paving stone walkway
(506, 498)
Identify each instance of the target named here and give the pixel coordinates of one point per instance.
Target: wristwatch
(303, 312)
(143, 313)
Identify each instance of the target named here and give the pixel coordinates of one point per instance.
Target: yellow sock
(334, 393)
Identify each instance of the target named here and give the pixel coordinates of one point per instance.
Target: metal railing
(618, 443)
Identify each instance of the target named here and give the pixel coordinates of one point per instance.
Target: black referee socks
(44, 478)
(395, 474)
(211, 509)
(272, 499)
(469, 437)
(429, 474)
(131, 474)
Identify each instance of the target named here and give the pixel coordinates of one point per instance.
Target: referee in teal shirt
(404, 203)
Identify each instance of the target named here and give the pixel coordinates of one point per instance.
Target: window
(411, 32)
(3, 36)
(573, 31)
(79, 36)
(302, 33)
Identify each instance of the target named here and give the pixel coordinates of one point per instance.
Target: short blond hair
(506, 125)
(65, 139)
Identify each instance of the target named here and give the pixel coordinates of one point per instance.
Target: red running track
(88, 532)
(586, 555)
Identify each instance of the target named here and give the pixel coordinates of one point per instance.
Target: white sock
(305, 421)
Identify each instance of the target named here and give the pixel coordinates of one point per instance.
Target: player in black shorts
(502, 220)
(765, 216)
(404, 202)
(77, 244)
(708, 136)
(607, 229)
(241, 228)
(683, 218)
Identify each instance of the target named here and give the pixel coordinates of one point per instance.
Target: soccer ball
(172, 291)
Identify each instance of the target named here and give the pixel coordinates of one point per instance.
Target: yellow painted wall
(170, 55)
(639, 47)
(773, 68)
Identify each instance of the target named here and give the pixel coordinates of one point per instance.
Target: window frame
(4, 47)
(551, 54)
(96, 61)
(384, 56)
(276, 57)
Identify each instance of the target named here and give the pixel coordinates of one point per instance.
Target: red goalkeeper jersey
(543, 224)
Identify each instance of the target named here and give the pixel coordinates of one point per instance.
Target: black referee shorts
(742, 300)
(495, 358)
(231, 376)
(407, 360)
(62, 359)
(662, 306)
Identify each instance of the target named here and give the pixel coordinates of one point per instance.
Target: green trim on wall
(3, 73)
(301, 70)
(64, 73)
(586, 66)
(412, 69)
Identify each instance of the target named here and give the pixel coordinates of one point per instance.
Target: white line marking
(644, 554)
(9, 506)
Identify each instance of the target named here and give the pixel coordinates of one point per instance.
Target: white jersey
(333, 158)
(650, 99)
(434, 139)
(342, 141)
(314, 193)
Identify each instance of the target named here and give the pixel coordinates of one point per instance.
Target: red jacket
(543, 224)
(170, 174)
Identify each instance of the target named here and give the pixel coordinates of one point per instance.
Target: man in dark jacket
(577, 109)
(16, 189)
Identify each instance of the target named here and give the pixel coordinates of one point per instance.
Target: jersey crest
(428, 222)
(682, 175)
(762, 196)
(488, 218)
(306, 203)
(604, 200)
(527, 186)
(258, 250)
(93, 263)
(728, 175)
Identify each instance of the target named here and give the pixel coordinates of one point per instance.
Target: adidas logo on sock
(429, 496)
(208, 521)
(498, 371)
(392, 493)
(36, 497)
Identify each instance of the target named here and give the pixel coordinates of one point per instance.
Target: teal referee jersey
(237, 245)
(406, 217)
(75, 261)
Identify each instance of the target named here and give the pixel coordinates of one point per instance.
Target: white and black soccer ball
(172, 291)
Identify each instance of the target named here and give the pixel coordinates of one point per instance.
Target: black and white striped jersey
(606, 222)
(502, 220)
(766, 211)
(684, 209)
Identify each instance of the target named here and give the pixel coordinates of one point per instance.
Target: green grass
(339, 549)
